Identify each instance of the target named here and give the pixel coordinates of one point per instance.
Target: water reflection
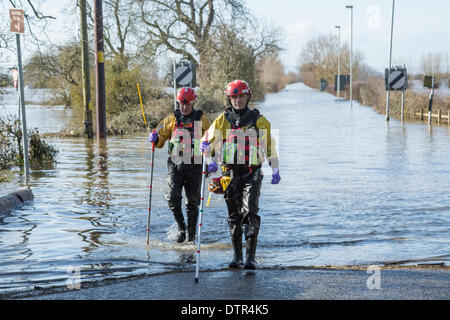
(96, 186)
(95, 194)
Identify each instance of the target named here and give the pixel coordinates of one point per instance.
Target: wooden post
(100, 101)
(430, 102)
(88, 131)
(448, 118)
(439, 116)
(421, 113)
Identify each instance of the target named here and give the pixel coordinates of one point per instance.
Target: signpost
(17, 26)
(3, 80)
(183, 76)
(396, 79)
(430, 101)
(344, 79)
(427, 81)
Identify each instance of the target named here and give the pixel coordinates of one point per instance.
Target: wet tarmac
(298, 284)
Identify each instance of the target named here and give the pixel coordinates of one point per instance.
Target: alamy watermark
(374, 281)
(74, 279)
(374, 17)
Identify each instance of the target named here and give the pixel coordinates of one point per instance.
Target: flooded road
(354, 190)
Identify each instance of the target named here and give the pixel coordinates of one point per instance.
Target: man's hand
(153, 136)
(204, 146)
(275, 176)
(212, 167)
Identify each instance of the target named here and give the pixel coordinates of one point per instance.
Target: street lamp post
(351, 54)
(390, 61)
(339, 64)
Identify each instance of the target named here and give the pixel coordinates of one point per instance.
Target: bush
(10, 137)
(40, 151)
(11, 151)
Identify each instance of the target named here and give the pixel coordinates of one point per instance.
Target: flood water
(354, 191)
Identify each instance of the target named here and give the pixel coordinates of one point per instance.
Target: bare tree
(318, 59)
(183, 27)
(195, 29)
(35, 19)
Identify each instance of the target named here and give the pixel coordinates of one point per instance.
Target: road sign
(3, 80)
(427, 81)
(397, 79)
(184, 73)
(344, 80)
(17, 21)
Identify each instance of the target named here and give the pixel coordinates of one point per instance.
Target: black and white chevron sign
(183, 74)
(397, 79)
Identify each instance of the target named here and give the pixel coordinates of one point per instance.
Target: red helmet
(186, 95)
(237, 87)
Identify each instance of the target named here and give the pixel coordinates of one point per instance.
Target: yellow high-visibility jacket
(219, 132)
(166, 129)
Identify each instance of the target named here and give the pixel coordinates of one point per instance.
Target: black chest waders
(184, 175)
(242, 195)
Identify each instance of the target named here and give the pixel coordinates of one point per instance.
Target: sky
(420, 27)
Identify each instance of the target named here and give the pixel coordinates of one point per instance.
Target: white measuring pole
(200, 218)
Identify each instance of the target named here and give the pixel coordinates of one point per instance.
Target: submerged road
(327, 284)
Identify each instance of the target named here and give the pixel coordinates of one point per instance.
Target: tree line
(142, 37)
(319, 59)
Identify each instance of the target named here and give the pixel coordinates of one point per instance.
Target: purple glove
(212, 167)
(275, 176)
(153, 137)
(203, 146)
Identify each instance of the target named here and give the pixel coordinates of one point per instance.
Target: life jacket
(241, 146)
(179, 141)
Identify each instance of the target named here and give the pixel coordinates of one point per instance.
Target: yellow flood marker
(142, 106)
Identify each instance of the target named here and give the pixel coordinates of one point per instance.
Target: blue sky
(419, 26)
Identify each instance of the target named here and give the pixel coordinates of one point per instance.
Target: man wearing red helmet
(241, 138)
(183, 128)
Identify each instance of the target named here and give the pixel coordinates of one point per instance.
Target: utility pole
(100, 100)
(88, 131)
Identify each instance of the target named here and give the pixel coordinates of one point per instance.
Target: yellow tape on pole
(142, 107)
(209, 198)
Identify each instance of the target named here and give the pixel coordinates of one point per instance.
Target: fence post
(439, 116)
(421, 113)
